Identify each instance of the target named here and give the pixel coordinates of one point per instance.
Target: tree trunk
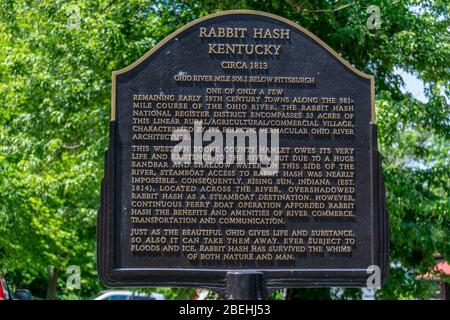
(52, 282)
(445, 290)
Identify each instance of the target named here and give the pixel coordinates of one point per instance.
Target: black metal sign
(242, 143)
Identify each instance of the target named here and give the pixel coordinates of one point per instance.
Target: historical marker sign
(242, 142)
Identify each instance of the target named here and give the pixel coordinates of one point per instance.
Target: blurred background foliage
(55, 86)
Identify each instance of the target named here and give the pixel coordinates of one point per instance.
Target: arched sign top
(192, 24)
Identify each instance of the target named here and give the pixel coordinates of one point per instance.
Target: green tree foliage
(55, 70)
